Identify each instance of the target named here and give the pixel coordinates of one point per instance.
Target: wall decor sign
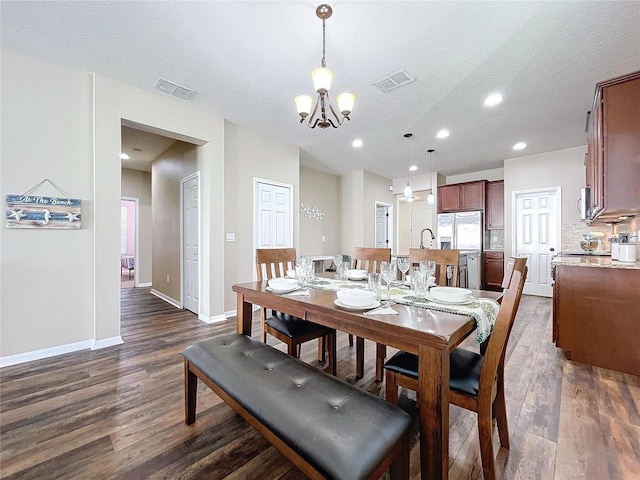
(36, 211)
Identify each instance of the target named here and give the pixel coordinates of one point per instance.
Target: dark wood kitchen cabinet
(495, 205)
(461, 197)
(595, 315)
(493, 269)
(613, 149)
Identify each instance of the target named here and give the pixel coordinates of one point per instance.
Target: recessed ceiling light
(124, 156)
(357, 143)
(413, 168)
(493, 100)
(520, 146)
(444, 133)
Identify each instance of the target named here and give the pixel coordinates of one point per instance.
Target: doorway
(537, 235)
(128, 241)
(384, 225)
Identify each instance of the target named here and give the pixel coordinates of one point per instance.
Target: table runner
(483, 310)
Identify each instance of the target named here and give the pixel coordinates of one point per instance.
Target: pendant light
(431, 198)
(408, 191)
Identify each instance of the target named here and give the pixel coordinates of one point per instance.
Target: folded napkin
(382, 311)
(303, 292)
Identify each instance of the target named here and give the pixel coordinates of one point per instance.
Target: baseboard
(45, 353)
(107, 342)
(166, 298)
(214, 319)
(145, 284)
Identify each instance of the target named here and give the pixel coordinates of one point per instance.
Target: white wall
(375, 189)
(48, 116)
(560, 168)
(491, 175)
(319, 189)
(249, 155)
(47, 291)
(351, 188)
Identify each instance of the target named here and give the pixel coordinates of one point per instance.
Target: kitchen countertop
(593, 261)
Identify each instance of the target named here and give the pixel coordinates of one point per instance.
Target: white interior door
(382, 226)
(190, 200)
(273, 215)
(537, 235)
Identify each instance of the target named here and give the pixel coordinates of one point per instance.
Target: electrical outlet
(168, 279)
(323, 238)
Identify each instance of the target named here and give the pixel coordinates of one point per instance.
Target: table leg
(244, 316)
(433, 399)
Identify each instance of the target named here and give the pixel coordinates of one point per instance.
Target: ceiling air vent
(174, 89)
(393, 81)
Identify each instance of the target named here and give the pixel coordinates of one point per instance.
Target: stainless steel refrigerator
(463, 231)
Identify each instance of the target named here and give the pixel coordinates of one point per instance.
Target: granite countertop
(593, 261)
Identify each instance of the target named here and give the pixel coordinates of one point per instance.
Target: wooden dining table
(430, 334)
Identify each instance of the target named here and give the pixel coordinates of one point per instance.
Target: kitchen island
(596, 311)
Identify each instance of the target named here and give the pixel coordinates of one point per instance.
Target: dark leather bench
(326, 427)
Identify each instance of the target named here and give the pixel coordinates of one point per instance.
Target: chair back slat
(369, 259)
(496, 349)
(445, 260)
(274, 262)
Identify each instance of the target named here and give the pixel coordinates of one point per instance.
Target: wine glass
(403, 266)
(387, 270)
(337, 261)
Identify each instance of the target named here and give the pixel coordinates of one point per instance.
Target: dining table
(428, 333)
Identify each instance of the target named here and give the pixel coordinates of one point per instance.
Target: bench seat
(326, 427)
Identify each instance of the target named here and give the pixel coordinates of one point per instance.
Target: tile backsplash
(572, 233)
(496, 239)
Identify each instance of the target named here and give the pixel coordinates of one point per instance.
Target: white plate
(338, 303)
(284, 290)
(435, 300)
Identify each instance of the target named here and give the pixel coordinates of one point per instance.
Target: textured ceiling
(247, 60)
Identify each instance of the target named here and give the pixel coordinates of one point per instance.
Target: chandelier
(322, 82)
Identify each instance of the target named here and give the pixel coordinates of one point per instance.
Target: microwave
(584, 203)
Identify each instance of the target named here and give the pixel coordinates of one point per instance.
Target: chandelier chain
(323, 63)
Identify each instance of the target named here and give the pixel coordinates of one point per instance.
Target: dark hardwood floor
(118, 412)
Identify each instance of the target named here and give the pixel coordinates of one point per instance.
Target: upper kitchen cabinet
(495, 205)
(461, 197)
(613, 150)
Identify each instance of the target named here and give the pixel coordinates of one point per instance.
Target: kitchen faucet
(422, 234)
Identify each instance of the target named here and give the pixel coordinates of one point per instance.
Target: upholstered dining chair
(446, 261)
(293, 331)
(369, 259)
(476, 381)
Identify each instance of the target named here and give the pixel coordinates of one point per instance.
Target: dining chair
(293, 331)
(476, 381)
(369, 259)
(446, 261)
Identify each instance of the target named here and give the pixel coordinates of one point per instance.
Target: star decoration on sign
(17, 214)
(71, 216)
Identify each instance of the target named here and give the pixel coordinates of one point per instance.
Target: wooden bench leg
(399, 468)
(190, 393)
(332, 354)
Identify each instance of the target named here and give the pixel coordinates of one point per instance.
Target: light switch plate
(231, 237)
